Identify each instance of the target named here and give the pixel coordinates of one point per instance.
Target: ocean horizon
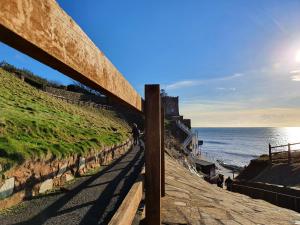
(239, 145)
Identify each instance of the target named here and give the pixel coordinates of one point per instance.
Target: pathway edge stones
(7, 188)
(58, 171)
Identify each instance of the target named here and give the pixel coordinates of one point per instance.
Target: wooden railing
(127, 210)
(49, 35)
(282, 148)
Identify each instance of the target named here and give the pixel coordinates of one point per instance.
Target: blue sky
(233, 63)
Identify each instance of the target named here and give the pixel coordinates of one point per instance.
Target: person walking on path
(228, 183)
(220, 181)
(136, 134)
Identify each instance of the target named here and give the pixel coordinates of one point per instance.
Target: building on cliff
(184, 133)
(171, 105)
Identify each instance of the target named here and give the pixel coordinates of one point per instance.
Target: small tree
(79, 87)
(8, 67)
(163, 93)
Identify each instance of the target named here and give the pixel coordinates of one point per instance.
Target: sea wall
(39, 176)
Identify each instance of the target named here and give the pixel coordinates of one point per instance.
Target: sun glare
(297, 56)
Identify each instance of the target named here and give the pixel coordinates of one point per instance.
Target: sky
(233, 63)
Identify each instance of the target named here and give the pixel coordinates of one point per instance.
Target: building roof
(203, 162)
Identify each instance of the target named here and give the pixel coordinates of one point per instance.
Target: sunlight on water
(239, 145)
(290, 134)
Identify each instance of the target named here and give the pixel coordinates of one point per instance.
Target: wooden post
(163, 192)
(289, 153)
(270, 153)
(153, 154)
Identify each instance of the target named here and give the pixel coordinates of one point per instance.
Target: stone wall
(39, 176)
(282, 196)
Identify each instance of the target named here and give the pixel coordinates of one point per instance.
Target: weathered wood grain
(42, 30)
(127, 210)
(153, 154)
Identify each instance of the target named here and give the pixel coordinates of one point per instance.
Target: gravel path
(90, 200)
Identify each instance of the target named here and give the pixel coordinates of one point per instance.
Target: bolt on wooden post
(153, 154)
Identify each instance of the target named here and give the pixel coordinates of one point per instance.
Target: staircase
(189, 138)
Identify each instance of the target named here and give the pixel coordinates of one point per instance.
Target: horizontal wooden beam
(127, 210)
(42, 30)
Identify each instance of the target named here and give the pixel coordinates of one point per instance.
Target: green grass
(34, 124)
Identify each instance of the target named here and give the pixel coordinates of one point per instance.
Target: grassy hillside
(33, 124)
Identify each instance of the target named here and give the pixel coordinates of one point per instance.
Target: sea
(237, 146)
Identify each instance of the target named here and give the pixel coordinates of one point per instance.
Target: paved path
(191, 200)
(90, 200)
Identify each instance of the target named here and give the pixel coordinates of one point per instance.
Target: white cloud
(261, 117)
(191, 83)
(183, 84)
(226, 89)
(295, 75)
(296, 78)
(235, 75)
(267, 97)
(295, 72)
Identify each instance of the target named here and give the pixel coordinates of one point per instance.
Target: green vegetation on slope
(34, 125)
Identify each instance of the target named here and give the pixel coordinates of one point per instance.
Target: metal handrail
(183, 127)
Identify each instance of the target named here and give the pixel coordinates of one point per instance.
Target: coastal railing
(280, 199)
(277, 153)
